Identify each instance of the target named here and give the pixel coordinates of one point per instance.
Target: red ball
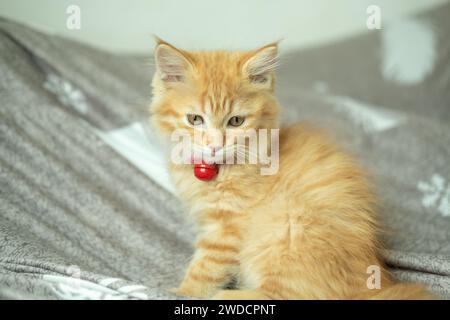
(205, 172)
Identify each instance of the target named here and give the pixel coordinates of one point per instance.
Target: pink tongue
(206, 172)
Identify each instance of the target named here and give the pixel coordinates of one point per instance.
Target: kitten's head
(219, 90)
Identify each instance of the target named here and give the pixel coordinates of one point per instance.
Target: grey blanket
(80, 220)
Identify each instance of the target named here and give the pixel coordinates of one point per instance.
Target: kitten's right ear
(260, 67)
(172, 64)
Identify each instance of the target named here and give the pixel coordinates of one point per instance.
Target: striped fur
(307, 232)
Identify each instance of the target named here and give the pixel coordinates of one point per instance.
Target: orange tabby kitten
(306, 232)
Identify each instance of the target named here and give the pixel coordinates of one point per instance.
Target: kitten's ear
(172, 64)
(260, 66)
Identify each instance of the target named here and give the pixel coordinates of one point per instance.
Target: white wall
(128, 25)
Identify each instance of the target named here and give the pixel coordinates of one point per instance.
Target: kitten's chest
(233, 191)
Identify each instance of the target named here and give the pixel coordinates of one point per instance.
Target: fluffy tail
(400, 291)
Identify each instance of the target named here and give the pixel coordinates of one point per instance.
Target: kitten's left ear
(260, 66)
(172, 64)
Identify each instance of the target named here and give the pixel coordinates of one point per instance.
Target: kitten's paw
(239, 295)
(180, 292)
(189, 292)
(175, 291)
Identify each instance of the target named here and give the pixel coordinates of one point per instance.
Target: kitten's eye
(236, 121)
(195, 119)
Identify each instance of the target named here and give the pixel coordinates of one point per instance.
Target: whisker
(247, 151)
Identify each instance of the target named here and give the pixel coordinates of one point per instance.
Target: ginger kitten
(306, 232)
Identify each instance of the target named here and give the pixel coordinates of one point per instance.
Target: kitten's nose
(214, 140)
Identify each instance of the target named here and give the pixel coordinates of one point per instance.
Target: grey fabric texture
(79, 221)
